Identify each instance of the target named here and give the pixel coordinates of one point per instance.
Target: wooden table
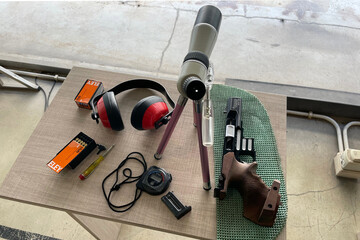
(31, 181)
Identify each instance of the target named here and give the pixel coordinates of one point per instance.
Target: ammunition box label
(63, 158)
(87, 92)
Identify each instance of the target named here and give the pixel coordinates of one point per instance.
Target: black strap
(136, 83)
(127, 173)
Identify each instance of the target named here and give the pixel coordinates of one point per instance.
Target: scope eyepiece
(194, 88)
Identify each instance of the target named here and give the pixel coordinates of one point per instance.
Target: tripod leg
(203, 150)
(171, 126)
(194, 113)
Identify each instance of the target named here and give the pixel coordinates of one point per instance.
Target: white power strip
(347, 163)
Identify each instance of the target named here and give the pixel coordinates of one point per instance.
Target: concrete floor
(308, 43)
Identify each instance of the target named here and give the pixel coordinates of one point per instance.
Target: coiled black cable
(127, 173)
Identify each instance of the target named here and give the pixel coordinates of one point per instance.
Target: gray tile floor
(308, 43)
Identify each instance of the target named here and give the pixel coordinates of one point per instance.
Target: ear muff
(109, 112)
(147, 111)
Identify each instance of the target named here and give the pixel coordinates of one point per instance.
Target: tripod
(197, 120)
(194, 71)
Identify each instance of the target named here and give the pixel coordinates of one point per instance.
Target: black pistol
(260, 202)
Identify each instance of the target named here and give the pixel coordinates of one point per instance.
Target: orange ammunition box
(65, 156)
(73, 153)
(88, 92)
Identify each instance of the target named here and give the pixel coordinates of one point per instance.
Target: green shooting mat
(229, 212)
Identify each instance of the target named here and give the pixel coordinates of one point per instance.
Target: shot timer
(155, 181)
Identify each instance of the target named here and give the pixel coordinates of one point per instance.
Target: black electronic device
(155, 181)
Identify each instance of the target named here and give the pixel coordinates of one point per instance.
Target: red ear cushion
(147, 111)
(153, 114)
(110, 113)
(102, 113)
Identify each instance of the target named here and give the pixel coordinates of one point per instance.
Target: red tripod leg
(171, 126)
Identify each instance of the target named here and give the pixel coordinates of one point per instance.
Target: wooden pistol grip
(260, 202)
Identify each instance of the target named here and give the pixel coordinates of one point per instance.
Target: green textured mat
(229, 212)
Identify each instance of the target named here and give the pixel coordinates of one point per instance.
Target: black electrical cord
(127, 173)
(47, 98)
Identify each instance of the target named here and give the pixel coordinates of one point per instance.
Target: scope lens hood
(210, 15)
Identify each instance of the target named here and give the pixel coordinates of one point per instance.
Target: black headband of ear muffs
(131, 84)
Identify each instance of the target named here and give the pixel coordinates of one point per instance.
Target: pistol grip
(260, 202)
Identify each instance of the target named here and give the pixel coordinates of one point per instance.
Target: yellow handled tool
(92, 167)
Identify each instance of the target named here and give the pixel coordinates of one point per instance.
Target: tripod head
(195, 66)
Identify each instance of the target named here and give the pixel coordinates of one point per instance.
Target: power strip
(347, 163)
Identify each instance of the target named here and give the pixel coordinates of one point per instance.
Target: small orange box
(88, 92)
(65, 156)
